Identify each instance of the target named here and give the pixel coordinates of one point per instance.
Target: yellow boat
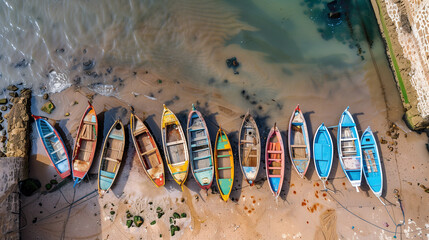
(175, 147)
(224, 164)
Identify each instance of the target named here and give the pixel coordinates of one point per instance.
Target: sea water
(289, 51)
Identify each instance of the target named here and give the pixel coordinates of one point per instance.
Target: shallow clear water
(289, 51)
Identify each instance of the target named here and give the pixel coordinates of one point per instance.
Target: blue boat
(371, 164)
(323, 150)
(111, 157)
(349, 149)
(54, 146)
(200, 149)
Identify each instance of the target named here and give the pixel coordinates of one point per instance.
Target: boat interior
(175, 144)
(224, 164)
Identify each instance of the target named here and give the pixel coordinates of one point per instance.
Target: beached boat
(111, 157)
(224, 164)
(323, 151)
(349, 149)
(200, 149)
(249, 149)
(175, 147)
(275, 160)
(299, 145)
(85, 144)
(371, 165)
(147, 151)
(54, 146)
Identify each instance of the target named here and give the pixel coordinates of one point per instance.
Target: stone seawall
(14, 167)
(11, 172)
(405, 28)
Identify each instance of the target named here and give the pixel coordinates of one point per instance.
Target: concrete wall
(11, 172)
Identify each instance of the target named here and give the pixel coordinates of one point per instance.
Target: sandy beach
(251, 212)
(146, 54)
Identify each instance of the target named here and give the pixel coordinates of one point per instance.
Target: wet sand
(251, 212)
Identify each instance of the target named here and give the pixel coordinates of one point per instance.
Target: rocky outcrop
(18, 119)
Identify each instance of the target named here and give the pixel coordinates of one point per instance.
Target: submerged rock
(48, 107)
(28, 186)
(13, 94)
(3, 101)
(45, 96)
(12, 88)
(3, 108)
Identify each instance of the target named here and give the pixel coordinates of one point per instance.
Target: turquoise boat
(54, 146)
(349, 149)
(323, 150)
(224, 164)
(371, 164)
(200, 149)
(111, 157)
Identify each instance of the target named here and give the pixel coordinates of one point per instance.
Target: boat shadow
(384, 191)
(288, 168)
(336, 165)
(311, 168)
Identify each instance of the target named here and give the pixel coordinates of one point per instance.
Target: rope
(373, 224)
(63, 234)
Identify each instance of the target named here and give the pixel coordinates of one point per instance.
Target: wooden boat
(85, 144)
(371, 165)
(54, 146)
(147, 151)
(275, 160)
(323, 151)
(200, 149)
(299, 145)
(224, 164)
(175, 147)
(249, 149)
(111, 157)
(349, 149)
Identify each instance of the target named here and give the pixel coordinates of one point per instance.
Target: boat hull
(249, 149)
(275, 161)
(372, 169)
(54, 147)
(349, 149)
(111, 157)
(323, 151)
(147, 151)
(175, 146)
(85, 144)
(299, 144)
(224, 164)
(200, 150)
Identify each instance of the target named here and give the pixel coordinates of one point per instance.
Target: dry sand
(302, 211)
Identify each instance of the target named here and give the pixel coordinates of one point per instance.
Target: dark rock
(60, 50)
(9, 106)
(232, 62)
(48, 107)
(12, 88)
(2, 154)
(29, 186)
(333, 6)
(405, 23)
(334, 15)
(3, 108)
(3, 101)
(22, 64)
(88, 65)
(13, 94)
(45, 96)
(109, 70)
